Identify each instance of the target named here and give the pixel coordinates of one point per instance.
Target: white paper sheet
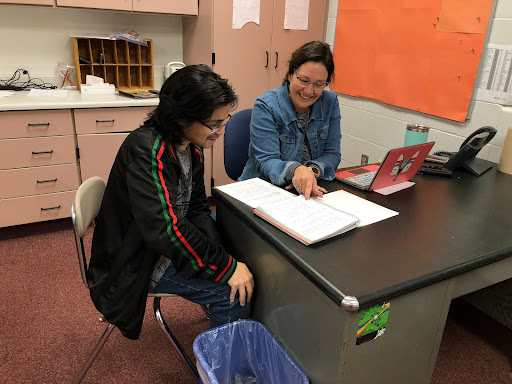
(5, 93)
(255, 192)
(245, 11)
(394, 188)
(296, 14)
(366, 211)
(495, 83)
(60, 93)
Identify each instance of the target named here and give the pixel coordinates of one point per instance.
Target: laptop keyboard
(364, 180)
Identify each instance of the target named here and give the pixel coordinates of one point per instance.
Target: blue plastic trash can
(244, 352)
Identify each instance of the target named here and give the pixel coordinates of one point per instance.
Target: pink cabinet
(254, 59)
(120, 5)
(178, 7)
(100, 132)
(30, 2)
(38, 171)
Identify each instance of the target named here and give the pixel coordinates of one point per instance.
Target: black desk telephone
(465, 157)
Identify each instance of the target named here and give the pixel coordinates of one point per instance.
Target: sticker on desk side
(372, 323)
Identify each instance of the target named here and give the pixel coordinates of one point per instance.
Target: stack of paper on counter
(308, 221)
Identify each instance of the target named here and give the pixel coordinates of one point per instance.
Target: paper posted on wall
(495, 83)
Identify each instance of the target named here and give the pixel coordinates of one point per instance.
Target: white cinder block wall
(36, 38)
(373, 128)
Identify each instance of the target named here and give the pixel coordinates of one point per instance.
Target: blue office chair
(236, 143)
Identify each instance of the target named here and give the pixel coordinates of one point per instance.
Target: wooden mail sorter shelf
(127, 65)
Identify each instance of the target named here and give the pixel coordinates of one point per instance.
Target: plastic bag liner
(244, 352)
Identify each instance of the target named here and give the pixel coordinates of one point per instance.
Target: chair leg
(172, 338)
(206, 311)
(99, 345)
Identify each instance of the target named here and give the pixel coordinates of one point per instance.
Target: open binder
(308, 221)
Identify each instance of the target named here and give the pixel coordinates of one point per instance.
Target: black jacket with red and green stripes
(138, 221)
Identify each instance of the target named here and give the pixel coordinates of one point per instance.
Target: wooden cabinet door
(97, 153)
(119, 5)
(33, 2)
(243, 57)
(285, 41)
(178, 7)
(241, 54)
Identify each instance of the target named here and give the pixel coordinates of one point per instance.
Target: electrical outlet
(364, 159)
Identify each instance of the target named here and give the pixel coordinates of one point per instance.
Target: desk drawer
(104, 120)
(14, 124)
(35, 208)
(37, 181)
(20, 153)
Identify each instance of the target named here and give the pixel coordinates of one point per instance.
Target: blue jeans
(205, 292)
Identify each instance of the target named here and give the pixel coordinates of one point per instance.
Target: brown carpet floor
(48, 325)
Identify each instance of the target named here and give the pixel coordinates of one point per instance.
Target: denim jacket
(277, 142)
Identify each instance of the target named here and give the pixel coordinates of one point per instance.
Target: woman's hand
(304, 182)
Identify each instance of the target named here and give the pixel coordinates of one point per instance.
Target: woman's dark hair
(190, 94)
(316, 51)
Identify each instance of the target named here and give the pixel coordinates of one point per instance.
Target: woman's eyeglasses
(304, 82)
(217, 126)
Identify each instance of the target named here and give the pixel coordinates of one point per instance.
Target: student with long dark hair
(295, 129)
(154, 231)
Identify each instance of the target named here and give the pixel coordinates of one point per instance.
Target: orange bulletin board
(416, 54)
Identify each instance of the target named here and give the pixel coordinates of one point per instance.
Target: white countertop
(19, 101)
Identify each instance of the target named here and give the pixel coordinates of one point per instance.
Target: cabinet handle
(105, 121)
(50, 208)
(38, 124)
(46, 181)
(266, 65)
(277, 58)
(43, 152)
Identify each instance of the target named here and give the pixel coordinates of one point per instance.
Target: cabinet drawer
(104, 120)
(122, 5)
(38, 180)
(14, 124)
(183, 7)
(20, 153)
(35, 208)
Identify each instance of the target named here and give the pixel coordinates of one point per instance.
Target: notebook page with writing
(255, 192)
(365, 210)
(309, 221)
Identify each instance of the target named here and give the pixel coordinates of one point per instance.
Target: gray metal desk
(452, 236)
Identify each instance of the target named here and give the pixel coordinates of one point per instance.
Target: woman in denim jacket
(295, 129)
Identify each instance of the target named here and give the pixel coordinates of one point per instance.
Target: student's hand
(304, 182)
(242, 282)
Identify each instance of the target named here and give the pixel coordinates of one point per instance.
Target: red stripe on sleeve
(171, 212)
(225, 269)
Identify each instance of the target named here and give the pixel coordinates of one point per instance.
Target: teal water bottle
(415, 134)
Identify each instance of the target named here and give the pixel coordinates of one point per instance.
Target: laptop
(399, 165)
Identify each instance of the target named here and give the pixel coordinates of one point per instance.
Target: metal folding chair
(84, 210)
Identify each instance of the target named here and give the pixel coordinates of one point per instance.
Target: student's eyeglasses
(304, 82)
(217, 126)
